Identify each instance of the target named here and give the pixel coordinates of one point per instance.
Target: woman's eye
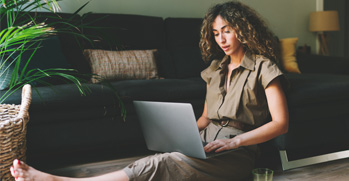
(227, 31)
(215, 34)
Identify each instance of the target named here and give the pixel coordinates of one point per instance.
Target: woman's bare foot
(23, 172)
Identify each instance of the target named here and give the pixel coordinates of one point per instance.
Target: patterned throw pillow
(122, 65)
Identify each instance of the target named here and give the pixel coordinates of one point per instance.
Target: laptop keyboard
(212, 153)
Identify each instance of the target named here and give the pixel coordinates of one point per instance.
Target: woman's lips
(225, 48)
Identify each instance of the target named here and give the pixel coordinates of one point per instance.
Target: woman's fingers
(220, 145)
(214, 145)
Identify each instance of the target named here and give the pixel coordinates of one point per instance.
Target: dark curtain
(339, 40)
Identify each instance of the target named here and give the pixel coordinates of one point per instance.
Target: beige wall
(287, 18)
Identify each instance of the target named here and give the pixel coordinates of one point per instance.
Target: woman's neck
(236, 58)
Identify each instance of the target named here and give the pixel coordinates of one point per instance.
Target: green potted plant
(19, 38)
(23, 35)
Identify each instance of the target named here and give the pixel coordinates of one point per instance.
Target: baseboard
(286, 164)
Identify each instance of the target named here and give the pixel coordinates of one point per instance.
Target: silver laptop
(171, 127)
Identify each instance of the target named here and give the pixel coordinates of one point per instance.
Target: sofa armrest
(312, 63)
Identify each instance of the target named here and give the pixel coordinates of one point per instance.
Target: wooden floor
(332, 171)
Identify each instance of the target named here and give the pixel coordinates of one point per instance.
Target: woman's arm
(203, 121)
(279, 125)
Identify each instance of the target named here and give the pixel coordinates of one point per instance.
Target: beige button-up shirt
(245, 101)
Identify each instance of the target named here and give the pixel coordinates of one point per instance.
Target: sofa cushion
(122, 65)
(318, 108)
(65, 97)
(182, 32)
(317, 96)
(70, 43)
(317, 88)
(48, 55)
(312, 63)
(320, 133)
(182, 40)
(122, 31)
(74, 53)
(161, 89)
(188, 62)
(191, 91)
(165, 64)
(288, 55)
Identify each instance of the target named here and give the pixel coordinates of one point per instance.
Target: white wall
(287, 18)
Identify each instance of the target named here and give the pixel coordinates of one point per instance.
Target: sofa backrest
(130, 32)
(182, 32)
(182, 42)
(312, 63)
(177, 39)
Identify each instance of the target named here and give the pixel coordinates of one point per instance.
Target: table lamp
(321, 22)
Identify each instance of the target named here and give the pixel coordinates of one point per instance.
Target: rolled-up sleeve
(206, 74)
(268, 72)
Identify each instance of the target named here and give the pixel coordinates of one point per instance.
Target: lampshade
(324, 21)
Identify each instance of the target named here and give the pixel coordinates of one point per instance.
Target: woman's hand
(222, 144)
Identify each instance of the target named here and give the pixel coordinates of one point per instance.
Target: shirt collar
(248, 61)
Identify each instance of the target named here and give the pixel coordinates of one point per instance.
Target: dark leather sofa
(66, 128)
(318, 103)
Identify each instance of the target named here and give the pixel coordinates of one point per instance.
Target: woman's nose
(222, 38)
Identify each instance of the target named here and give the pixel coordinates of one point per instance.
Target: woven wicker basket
(13, 129)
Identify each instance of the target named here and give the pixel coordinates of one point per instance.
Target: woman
(243, 90)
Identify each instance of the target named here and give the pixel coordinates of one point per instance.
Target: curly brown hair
(250, 29)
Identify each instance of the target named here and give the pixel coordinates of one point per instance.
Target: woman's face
(225, 37)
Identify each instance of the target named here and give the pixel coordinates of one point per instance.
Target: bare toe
(13, 171)
(19, 170)
(22, 172)
(19, 164)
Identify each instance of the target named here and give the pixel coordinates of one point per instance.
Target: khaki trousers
(236, 165)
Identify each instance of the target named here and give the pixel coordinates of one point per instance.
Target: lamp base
(323, 37)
